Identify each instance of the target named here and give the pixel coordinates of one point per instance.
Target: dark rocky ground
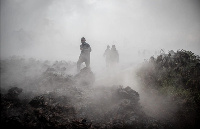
(120, 109)
(37, 94)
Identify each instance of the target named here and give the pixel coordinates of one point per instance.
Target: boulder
(85, 77)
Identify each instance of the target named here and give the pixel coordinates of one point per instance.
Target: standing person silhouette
(85, 54)
(107, 56)
(114, 56)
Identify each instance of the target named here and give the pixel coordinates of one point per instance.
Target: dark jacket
(85, 48)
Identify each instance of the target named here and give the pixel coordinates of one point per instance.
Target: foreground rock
(85, 77)
(105, 107)
(45, 111)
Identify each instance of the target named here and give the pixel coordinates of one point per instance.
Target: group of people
(111, 55)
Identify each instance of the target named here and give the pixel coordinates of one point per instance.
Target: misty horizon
(52, 30)
(44, 83)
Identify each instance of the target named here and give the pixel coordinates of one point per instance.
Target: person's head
(83, 40)
(108, 47)
(113, 46)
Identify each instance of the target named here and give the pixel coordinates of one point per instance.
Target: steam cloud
(51, 30)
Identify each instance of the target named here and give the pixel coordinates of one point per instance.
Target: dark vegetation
(53, 111)
(176, 75)
(41, 94)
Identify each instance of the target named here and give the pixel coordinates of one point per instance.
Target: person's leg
(80, 61)
(87, 62)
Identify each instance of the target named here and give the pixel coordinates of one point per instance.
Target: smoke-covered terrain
(40, 94)
(148, 86)
(44, 94)
(176, 77)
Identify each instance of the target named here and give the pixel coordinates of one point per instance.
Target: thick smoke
(43, 32)
(38, 28)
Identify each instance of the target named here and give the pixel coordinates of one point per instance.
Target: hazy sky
(52, 29)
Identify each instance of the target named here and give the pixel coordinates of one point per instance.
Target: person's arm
(88, 48)
(81, 47)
